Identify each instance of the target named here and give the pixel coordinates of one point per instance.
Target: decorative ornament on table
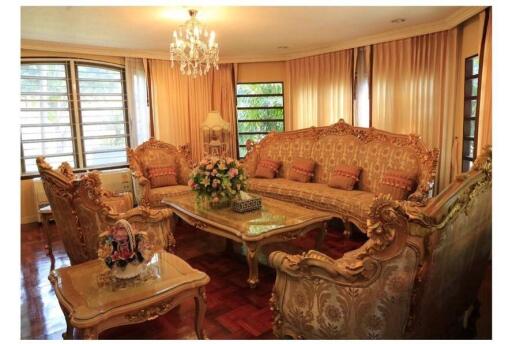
(216, 181)
(125, 251)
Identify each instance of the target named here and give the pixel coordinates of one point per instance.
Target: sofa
(417, 276)
(372, 150)
(157, 153)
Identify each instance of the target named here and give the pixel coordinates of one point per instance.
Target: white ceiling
(244, 33)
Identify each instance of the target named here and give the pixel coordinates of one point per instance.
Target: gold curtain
(181, 103)
(485, 111)
(320, 89)
(414, 91)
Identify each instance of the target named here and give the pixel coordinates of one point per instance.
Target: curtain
(181, 103)
(414, 91)
(320, 89)
(485, 110)
(362, 92)
(138, 109)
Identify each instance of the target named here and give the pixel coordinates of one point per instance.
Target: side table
(92, 301)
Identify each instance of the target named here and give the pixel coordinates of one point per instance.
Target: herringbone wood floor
(234, 310)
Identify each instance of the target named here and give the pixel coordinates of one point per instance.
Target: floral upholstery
(119, 202)
(154, 153)
(350, 205)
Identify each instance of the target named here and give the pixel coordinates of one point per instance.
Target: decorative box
(242, 206)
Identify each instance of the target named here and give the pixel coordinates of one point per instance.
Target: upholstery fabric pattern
(302, 170)
(320, 309)
(157, 194)
(352, 205)
(267, 168)
(120, 203)
(162, 176)
(344, 177)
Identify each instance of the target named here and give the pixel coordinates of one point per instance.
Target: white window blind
(92, 134)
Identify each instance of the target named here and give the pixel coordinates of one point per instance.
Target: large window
(470, 128)
(73, 111)
(259, 111)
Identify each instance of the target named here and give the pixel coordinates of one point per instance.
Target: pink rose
(233, 172)
(190, 182)
(215, 199)
(229, 160)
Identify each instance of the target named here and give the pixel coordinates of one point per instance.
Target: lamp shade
(215, 122)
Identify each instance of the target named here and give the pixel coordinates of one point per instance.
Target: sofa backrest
(157, 153)
(457, 230)
(371, 149)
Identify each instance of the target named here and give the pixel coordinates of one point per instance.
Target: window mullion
(76, 116)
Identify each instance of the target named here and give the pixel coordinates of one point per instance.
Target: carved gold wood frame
(253, 243)
(428, 159)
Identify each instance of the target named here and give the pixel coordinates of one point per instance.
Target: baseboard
(29, 219)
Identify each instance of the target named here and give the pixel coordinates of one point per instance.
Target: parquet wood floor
(234, 310)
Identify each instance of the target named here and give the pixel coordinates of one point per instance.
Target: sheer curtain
(320, 89)
(414, 91)
(362, 91)
(181, 103)
(485, 111)
(138, 109)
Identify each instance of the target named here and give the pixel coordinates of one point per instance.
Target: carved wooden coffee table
(93, 301)
(276, 221)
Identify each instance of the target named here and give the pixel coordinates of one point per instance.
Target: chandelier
(194, 47)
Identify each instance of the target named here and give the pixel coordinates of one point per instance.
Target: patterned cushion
(302, 170)
(267, 168)
(344, 177)
(353, 205)
(398, 184)
(162, 176)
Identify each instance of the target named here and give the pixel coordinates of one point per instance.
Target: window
(73, 111)
(259, 111)
(470, 128)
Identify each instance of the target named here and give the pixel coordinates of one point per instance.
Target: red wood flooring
(234, 310)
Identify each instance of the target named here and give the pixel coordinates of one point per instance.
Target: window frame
(75, 112)
(469, 98)
(238, 133)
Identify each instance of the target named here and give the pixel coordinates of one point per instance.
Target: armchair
(417, 275)
(94, 214)
(157, 153)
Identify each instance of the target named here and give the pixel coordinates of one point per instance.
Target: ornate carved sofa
(157, 153)
(417, 275)
(371, 149)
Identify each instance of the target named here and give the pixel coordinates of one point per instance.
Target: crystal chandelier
(194, 47)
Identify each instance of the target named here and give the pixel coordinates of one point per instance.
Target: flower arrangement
(217, 180)
(124, 250)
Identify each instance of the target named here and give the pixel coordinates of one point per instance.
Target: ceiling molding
(445, 24)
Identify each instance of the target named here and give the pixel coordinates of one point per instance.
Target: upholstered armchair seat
(156, 153)
(351, 205)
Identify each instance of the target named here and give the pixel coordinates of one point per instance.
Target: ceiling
(243, 33)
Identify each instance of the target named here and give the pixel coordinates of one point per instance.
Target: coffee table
(92, 301)
(276, 221)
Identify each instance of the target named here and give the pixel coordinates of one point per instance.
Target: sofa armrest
(119, 202)
(356, 296)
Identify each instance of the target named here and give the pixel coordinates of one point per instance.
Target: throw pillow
(399, 184)
(302, 170)
(267, 168)
(344, 177)
(162, 176)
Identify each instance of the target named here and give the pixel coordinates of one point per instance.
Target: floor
(234, 310)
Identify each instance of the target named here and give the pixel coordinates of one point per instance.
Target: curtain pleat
(320, 89)
(181, 104)
(414, 88)
(485, 111)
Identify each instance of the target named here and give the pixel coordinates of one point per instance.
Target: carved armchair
(94, 214)
(58, 186)
(416, 276)
(158, 153)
